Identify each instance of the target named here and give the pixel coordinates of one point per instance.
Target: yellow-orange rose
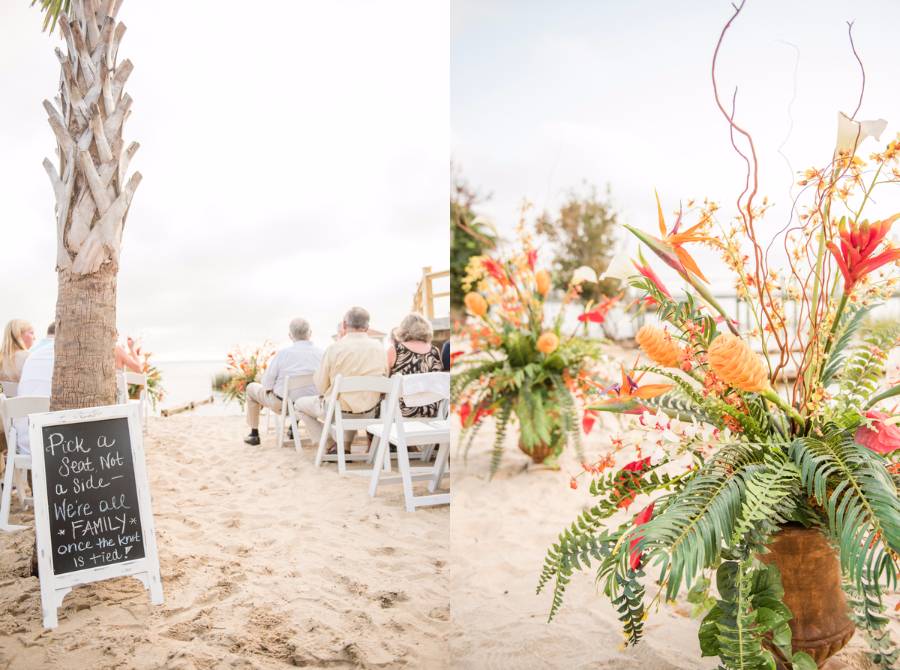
(542, 281)
(547, 343)
(476, 304)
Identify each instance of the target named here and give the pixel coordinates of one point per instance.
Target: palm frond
(52, 10)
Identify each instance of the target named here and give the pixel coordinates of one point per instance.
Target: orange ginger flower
(476, 304)
(542, 281)
(548, 343)
(732, 360)
(659, 346)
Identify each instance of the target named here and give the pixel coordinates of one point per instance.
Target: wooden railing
(423, 301)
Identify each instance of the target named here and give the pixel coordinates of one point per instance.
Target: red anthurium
(588, 420)
(532, 258)
(598, 314)
(642, 518)
(882, 437)
(858, 244)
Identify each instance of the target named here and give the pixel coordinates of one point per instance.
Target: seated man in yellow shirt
(355, 354)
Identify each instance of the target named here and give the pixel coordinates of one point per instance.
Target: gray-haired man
(301, 358)
(355, 354)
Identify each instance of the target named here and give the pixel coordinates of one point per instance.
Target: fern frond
(860, 501)
(689, 534)
(838, 355)
(503, 417)
(768, 494)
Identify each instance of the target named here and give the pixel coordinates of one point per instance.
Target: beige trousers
(257, 398)
(311, 411)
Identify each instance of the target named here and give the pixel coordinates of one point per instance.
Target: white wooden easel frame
(55, 587)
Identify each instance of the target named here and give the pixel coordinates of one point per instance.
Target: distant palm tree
(93, 195)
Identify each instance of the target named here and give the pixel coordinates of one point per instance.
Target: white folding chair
(403, 433)
(17, 464)
(8, 388)
(336, 423)
(291, 383)
(126, 378)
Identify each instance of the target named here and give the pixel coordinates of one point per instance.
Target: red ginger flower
(858, 244)
(882, 437)
(642, 518)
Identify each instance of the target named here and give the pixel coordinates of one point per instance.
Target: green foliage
(867, 612)
(628, 599)
(850, 325)
(52, 10)
(690, 532)
(468, 237)
(582, 233)
(523, 383)
(860, 503)
(749, 608)
(769, 494)
(862, 369)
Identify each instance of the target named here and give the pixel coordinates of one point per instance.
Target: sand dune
(266, 563)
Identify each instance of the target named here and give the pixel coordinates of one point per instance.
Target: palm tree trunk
(84, 369)
(92, 200)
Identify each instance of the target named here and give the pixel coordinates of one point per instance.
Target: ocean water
(190, 381)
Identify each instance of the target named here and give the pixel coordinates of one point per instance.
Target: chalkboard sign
(92, 502)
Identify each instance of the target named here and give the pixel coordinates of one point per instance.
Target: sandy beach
(266, 563)
(500, 533)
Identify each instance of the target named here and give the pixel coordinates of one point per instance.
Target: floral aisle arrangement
(155, 391)
(806, 433)
(244, 366)
(516, 362)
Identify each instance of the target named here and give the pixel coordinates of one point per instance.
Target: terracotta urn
(811, 576)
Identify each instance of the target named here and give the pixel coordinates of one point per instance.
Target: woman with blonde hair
(18, 336)
(413, 353)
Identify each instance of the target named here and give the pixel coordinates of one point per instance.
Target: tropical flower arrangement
(516, 362)
(244, 366)
(805, 435)
(155, 391)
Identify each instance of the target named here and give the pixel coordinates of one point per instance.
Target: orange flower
(676, 239)
(548, 343)
(735, 363)
(476, 304)
(659, 347)
(542, 281)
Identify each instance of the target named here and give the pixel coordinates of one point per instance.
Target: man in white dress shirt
(301, 358)
(36, 379)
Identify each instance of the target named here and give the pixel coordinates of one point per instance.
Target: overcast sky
(295, 163)
(547, 95)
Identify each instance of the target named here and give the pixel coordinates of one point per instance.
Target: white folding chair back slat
(8, 388)
(414, 431)
(126, 378)
(16, 463)
(291, 383)
(337, 423)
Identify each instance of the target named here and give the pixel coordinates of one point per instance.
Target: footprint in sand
(388, 599)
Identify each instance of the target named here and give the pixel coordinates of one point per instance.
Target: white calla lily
(583, 274)
(852, 133)
(619, 267)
